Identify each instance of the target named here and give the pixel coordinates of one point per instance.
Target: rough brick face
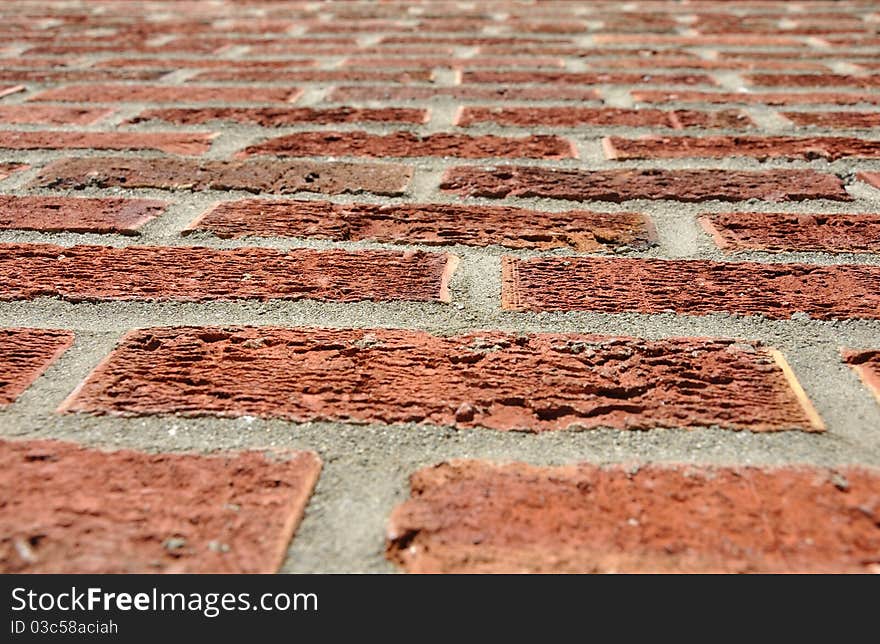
(77, 215)
(867, 365)
(52, 114)
(759, 98)
(775, 291)
(830, 233)
(68, 509)
(24, 355)
(842, 120)
(368, 93)
(98, 273)
(253, 175)
(280, 117)
(601, 116)
(485, 379)
(584, 78)
(406, 144)
(670, 147)
(474, 516)
(170, 142)
(622, 185)
(167, 94)
(434, 224)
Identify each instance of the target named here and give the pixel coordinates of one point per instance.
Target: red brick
(585, 78)
(490, 62)
(69, 509)
(674, 40)
(254, 175)
(79, 75)
(622, 185)
(813, 80)
(280, 117)
(9, 167)
(601, 116)
(196, 274)
(502, 381)
(761, 147)
(684, 62)
(6, 90)
(52, 114)
(776, 291)
(24, 355)
(843, 120)
(765, 98)
(173, 64)
(366, 93)
(829, 233)
(317, 76)
(167, 94)
(407, 144)
(192, 143)
(439, 224)
(867, 364)
(474, 516)
(78, 215)
(871, 178)
(466, 41)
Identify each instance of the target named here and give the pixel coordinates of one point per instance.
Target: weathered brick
(439, 224)
(585, 78)
(526, 62)
(829, 148)
(52, 114)
(69, 509)
(9, 167)
(842, 120)
(79, 75)
(167, 94)
(601, 116)
(503, 381)
(871, 178)
(813, 80)
(367, 93)
(724, 40)
(763, 98)
(867, 364)
(173, 64)
(190, 143)
(24, 355)
(280, 117)
(622, 185)
(196, 274)
(776, 291)
(316, 76)
(80, 215)
(474, 516)
(252, 175)
(407, 144)
(830, 233)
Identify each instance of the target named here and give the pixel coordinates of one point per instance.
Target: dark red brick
(474, 516)
(280, 117)
(252, 175)
(776, 291)
(764, 98)
(191, 143)
(52, 114)
(843, 120)
(69, 509)
(828, 233)
(316, 76)
(407, 144)
(389, 93)
(167, 94)
(867, 364)
(813, 80)
(829, 148)
(601, 116)
(487, 379)
(585, 78)
(24, 355)
(78, 215)
(196, 274)
(623, 185)
(439, 224)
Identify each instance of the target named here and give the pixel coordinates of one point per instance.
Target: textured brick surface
(282, 116)
(10, 167)
(52, 114)
(867, 365)
(474, 516)
(584, 78)
(872, 178)
(256, 175)
(406, 144)
(78, 215)
(487, 379)
(775, 291)
(407, 94)
(854, 120)
(601, 116)
(621, 185)
(68, 509)
(832, 233)
(96, 273)
(170, 142)
(167, 94)
(765, 98)
(670, 147)
(24, 355)
(434, 224)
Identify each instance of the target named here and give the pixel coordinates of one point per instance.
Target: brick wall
(440, 286)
